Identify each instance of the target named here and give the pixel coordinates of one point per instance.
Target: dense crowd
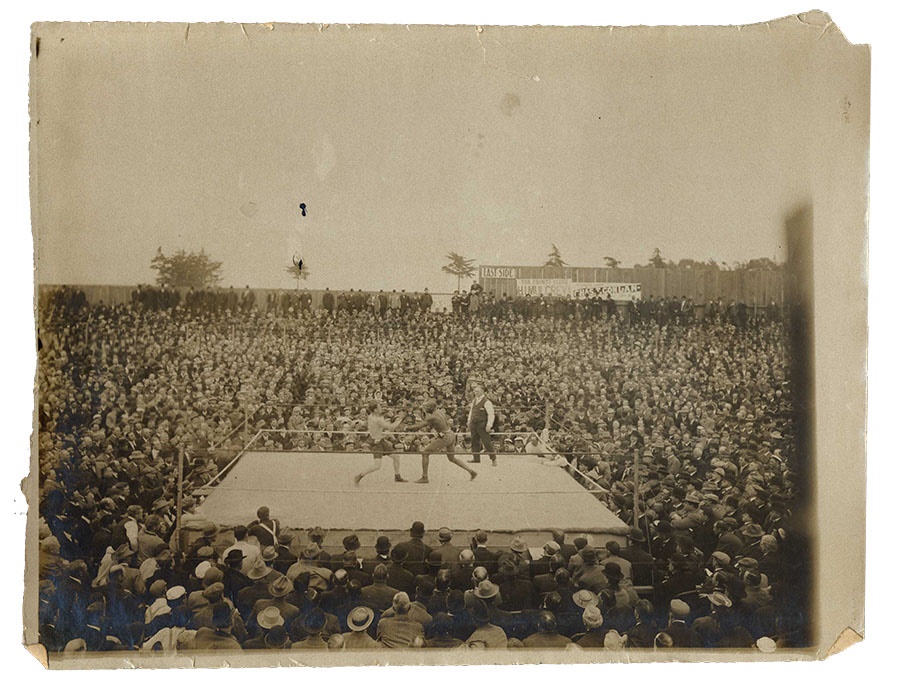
(706, 406)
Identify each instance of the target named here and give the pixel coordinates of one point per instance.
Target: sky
(406, 143)
(71, 255)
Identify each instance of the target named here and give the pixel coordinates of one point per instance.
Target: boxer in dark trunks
(444, 443)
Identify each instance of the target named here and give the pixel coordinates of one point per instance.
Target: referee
(481, 419)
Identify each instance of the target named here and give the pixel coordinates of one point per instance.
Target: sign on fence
(563, 287)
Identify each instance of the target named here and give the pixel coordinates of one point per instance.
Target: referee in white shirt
(481, 419)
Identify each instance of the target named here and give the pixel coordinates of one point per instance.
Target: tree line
(184, 269)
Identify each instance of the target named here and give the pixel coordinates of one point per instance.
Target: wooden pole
(636, 482)
(178, 499)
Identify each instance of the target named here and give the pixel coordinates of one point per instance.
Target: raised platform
(522, 495)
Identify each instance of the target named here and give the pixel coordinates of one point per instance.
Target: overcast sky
(405, 144)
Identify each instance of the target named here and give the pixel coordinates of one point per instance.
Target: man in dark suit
(461, 572)
(382, 555)
(483, 556)
(641, 561)
(449, 553)
(416, 550)
(379, 595)
(547, 582)
(481, 420)
(645, 631)
(328, 302)
(566, 549)
(351, 564)
(397, 576)
(682, 635)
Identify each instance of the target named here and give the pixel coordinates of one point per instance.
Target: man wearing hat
(398, 630)
(218, 634)
(209, 534)
(486, 634)
(682, 635)
(285, 558)
(614, 555)
(258, 589)
(319, 576)
(592, 619)
(382, 555)
(278, 590)
(416, 550)
(590, 576)
(542, 565)
(399, 577)
(449, 552)
(351, 564)
(516, 589)
(232, 577)
(176, 598)
(690, 516)
(149, 540)
(752, 533)
(317, 537)
(263, 622)
(313, 625)
(358, 621)
(518, 548)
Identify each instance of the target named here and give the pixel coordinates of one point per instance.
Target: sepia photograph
(405, 344)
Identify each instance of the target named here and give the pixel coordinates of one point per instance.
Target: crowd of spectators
(707, 409)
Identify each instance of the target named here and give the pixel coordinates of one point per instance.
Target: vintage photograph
(381, 342)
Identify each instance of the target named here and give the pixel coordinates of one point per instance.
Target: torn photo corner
(447, 344)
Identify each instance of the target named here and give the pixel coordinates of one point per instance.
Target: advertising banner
(620, 292)
(544, 286)
(563, 287)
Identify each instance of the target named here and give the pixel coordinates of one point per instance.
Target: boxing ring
(523, 494)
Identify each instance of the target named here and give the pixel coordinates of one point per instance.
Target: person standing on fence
(444, 443)
(481, 419)
(377, 426)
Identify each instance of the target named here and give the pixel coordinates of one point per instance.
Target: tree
(762, 263)
(657, 261)
(186, 269)
(296, 273)
(460, 267)
(612, 262)
(555, 258)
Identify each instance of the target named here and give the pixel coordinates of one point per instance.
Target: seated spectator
(358, 621)
(546, 636)
(486, 635)
(398, 630)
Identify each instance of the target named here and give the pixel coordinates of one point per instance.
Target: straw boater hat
(584, 598)
(269, 617)
(360, 618)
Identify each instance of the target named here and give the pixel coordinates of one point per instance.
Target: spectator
(398, 631)
(358, 621)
